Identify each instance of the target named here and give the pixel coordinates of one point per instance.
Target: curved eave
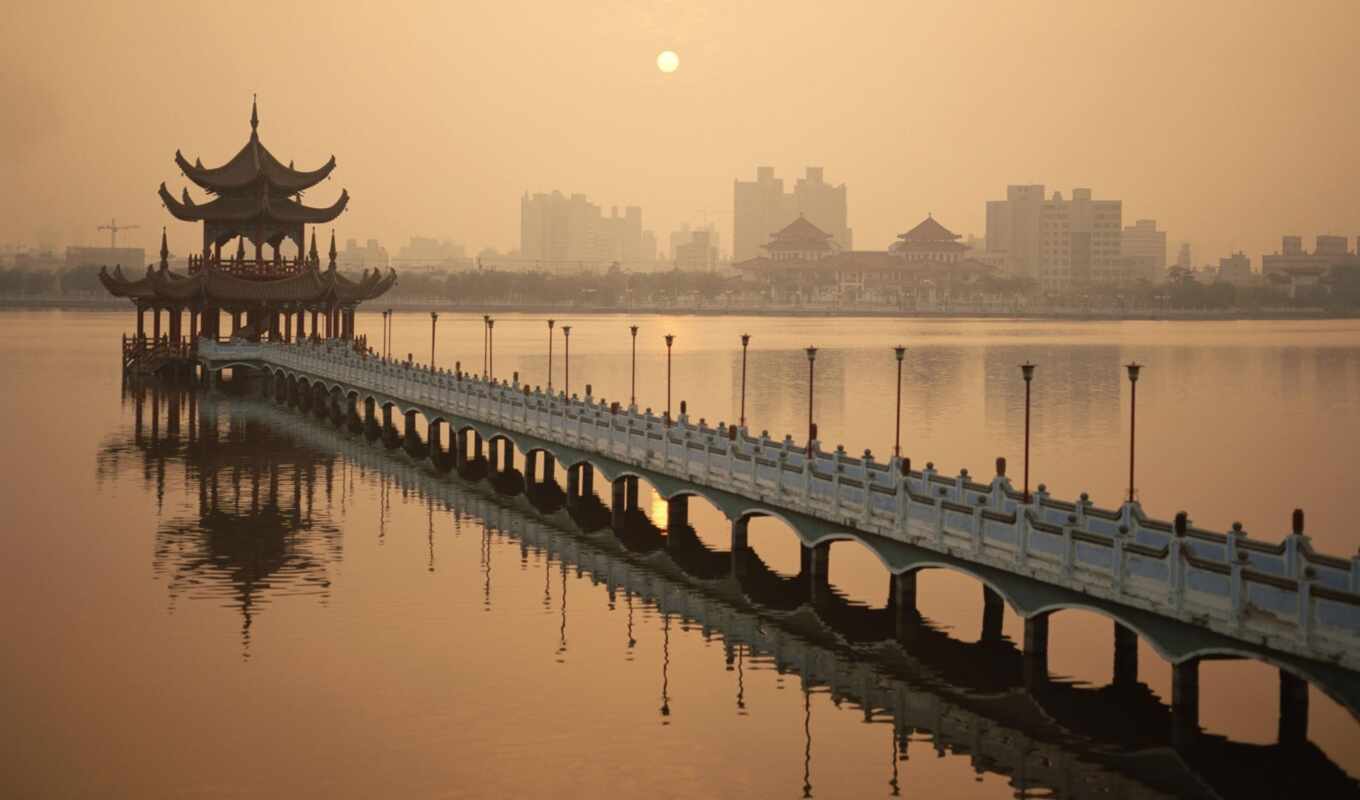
(253, 164)
(237, 209)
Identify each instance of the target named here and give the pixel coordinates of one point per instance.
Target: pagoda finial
(332, 248)
(254, 114)
(165, 250)
(313, 257)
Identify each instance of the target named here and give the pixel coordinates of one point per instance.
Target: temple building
(255, 199)
(924, 265)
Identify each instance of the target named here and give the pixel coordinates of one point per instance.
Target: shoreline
(418, 306)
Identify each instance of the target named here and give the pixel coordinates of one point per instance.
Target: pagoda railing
(251, 268)
(1284, 595)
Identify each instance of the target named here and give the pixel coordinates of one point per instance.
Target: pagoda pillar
(302, 324)
(156, 323)
(174, 315)
(141, 321)
(193, 323)
(288, 326)
(314, 315)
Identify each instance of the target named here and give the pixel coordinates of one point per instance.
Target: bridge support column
(677, 511)
(477, 447)
(549, 467)
(993, 610)
(493, 456)
(816, 562)
(531, 469)
(619, 507)
(1036, 651)
(740, 534)
(1293, 728)
(507, 456)
(410, 438)
(587, 480)
(436, 443)
(459, 443)
(902, 590)
(574, 485)
(1125, 656)
(1184, 702)
(630, 483)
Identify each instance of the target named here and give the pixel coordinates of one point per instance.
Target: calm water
(232, 599)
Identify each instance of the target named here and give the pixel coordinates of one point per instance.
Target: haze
(1230, 123)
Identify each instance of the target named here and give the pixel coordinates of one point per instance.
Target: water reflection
(257, 534)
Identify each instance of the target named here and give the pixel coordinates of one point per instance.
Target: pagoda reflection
(252, 533)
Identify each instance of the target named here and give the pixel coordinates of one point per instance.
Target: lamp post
(566, 360)
(1027, 370)
(490, 348)
(1133, 367)
(389, 333)
(812, 360)
(745, 341)
(670, 339)
(550, 330)
(632, 391)
(384, 334)
(486, 344)
(434, 320)
(901, 353)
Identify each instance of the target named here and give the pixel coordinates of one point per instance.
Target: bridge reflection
(256, 525)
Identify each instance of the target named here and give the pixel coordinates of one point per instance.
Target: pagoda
(253, 198)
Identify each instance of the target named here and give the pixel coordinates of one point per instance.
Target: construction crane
(113, 228)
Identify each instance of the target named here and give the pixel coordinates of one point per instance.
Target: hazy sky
(1230, 123)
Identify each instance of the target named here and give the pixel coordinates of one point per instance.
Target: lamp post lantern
(745, 341)
(550, 330)
(566, 360)
(901, 353)
(632, 391)
(1133, 367)
(1027, 370)
(812, 429)
(670, 339)
(434, 321)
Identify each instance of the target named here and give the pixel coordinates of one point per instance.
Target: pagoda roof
(799, 235)
(246, 208)
(310, 286)
(251, 166)
(929, 231)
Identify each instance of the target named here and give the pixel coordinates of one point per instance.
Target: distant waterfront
(412, 305)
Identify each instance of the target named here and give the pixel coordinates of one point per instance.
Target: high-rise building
(1144, 242)
(1235, 269)
(762, 208)
(1063, 244)
(555, 228)
(1329, 252)
(1183, 259)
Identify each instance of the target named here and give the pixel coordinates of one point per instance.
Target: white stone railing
(1284, 596)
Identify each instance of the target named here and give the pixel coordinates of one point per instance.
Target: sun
(668, 61)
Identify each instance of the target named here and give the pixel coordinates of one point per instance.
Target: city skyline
(439, 145)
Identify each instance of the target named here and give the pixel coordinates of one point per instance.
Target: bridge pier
(816, 565)
(1293, 728)
(740, 544)
(549, 467)
(436, 444)
(531, 469)
(1184, 702)
(507, 456)
(390, 437)
(677, 511)
(587, 480)
(493, 456)
(574, 485)
(459, 445)
(619, 507)
(902, 592)
(993, 611)
(477, 446)
(1036, 651)
(1125, 656)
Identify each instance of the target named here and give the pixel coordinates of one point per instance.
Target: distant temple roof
(799, 235)
(928, 237)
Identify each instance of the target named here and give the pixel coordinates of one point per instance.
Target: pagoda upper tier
(254, 166)
(256, 196)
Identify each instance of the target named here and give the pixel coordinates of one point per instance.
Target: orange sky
(1230, 123)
